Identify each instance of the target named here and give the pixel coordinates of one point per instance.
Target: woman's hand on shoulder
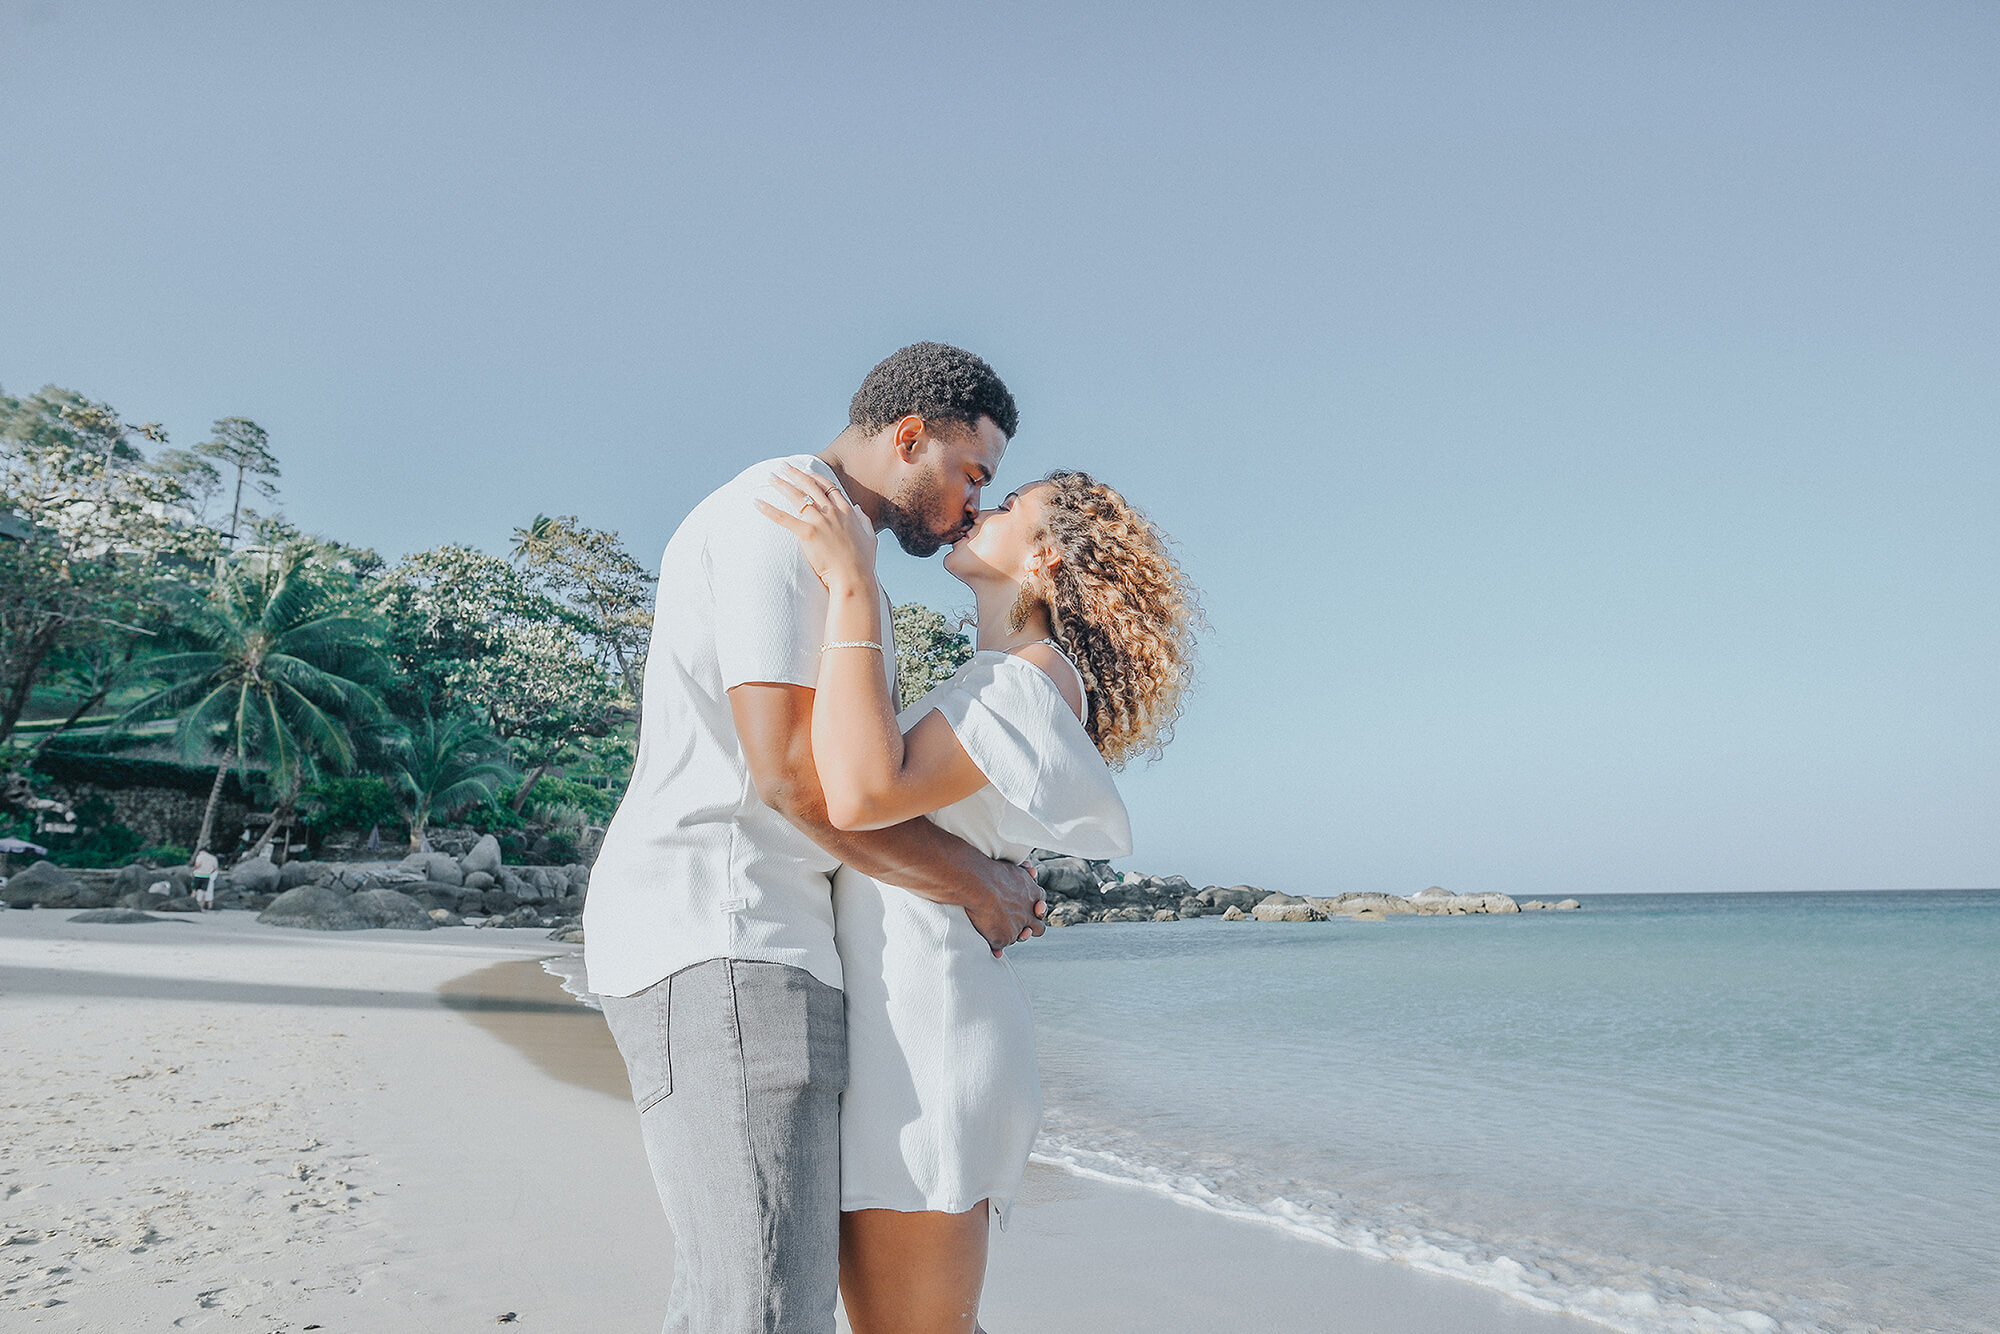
(837, 538)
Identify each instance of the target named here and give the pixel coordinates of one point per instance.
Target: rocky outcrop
(325, 908)
(27, 888)
(259, 875)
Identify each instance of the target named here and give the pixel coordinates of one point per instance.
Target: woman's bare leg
(912, 1273)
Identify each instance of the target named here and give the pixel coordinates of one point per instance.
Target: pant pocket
(640, 1026)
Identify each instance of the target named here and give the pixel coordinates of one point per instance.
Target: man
(709, 925)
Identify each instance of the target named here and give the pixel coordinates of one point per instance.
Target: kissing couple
(798, 918)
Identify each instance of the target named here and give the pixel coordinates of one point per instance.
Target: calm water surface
(1672, 1112)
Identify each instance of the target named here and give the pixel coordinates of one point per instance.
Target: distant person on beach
(709, 927)
(1085, 645)
(201, 879)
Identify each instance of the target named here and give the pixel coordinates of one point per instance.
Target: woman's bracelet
(852, 643)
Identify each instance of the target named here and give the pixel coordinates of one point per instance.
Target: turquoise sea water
(1670, 1112)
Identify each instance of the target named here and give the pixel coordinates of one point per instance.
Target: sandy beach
(209, 1123)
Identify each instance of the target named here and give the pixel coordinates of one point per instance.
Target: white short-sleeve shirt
(694, 865)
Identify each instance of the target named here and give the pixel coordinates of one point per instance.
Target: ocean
(1774, 1113)
(1681, 1112)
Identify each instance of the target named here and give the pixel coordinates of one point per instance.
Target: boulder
(1166, 915)
(1192, 906)
(1072, 877)
(1245, 897)
(432, 866)
(1127, 915)
(293, 874)
(256, 876)
(26, 888)
(571, 934)
(1174, 886)
(1234, 914)
(498, 903)
(1069, 914)
(526, 889)
(1487, 903)
(389, 908)
(1367, 915)
(184, 903)
(1296, 911)
(445, 917)
(1278, 901)
(579, 878)
(479, 880)
(1536, 905)
(484, 856)
(116, 916)
(1568, 905)
(1354, 905)
(324, 908)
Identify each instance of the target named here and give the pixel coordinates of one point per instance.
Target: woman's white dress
(942, 1100)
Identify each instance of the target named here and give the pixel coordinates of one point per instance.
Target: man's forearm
(915, 855)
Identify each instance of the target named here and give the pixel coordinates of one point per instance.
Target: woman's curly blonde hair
(1123, 611)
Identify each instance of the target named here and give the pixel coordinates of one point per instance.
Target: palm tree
(278, 677)
(442, 768)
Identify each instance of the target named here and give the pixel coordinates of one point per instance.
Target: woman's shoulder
(1052, 664)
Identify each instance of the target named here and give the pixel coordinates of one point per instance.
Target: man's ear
(909, 438)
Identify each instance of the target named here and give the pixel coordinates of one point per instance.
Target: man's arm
(774, 725)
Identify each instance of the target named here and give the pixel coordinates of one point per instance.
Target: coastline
(234, 1124)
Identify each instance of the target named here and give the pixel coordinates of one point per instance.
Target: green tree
(91, 537)
(243, 446)
(282, 675)
(928, 649)
(471, 633)
(443, 767)
(590, 571)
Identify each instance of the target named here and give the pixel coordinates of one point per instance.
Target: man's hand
(1010, 909)
(774, 723)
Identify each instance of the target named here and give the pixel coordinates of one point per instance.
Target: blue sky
(1581, 417)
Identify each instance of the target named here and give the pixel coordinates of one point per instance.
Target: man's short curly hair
(937, 382)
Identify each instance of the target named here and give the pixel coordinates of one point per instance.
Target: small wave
(1661, 1302)
(568, 969)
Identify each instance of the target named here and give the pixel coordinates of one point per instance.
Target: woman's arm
(872, 775)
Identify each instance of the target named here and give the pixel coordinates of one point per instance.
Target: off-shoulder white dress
(942, 1100)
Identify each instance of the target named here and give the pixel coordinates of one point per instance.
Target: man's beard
(906, 515)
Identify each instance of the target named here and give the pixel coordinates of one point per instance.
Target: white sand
(216, 1124)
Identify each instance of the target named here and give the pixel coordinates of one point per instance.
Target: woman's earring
(1017, 615)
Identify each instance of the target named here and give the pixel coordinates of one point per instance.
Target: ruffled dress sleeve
(1016, 726)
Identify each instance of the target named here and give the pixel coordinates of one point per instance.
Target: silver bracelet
(852, 643)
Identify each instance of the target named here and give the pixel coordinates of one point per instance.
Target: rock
(498, 903)
(1353, 905)
(524, 916)
(1166, 915)
(1536, 905)
(1568, 905)
(1296, 911)
(1069, 914)
(1240, 896)
(26, 888)
(116, 916)
(526, 890)
(1127, 915)
(1174, 886)
(184, 903)
(1434, 892)
(1234, 914)
(1072, 877)
(1192, 906)
(579, 878)
(324, 908)
(293, 874)
(1487, 903)
(444, 917)
(1278, 901)
(484, 857)
(257, 876)
(479, 880)
(568, 935)
(433, 866)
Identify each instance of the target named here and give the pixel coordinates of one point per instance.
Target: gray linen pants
(737, 1068)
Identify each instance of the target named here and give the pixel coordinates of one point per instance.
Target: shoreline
(232, 1124)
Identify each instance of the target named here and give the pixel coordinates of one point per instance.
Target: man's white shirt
(694, 865)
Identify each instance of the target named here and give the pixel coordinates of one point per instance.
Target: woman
(1084, 648)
